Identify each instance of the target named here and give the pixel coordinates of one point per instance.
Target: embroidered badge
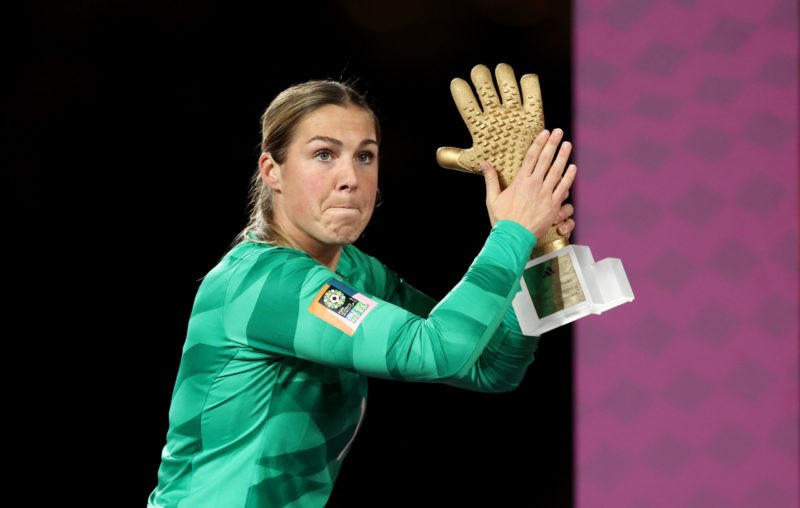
(341, 306)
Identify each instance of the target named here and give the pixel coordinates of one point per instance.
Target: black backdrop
(131, 134)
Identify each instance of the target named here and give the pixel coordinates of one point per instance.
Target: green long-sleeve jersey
(272, 383)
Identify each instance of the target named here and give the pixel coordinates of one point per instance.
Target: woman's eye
(365, 157)
(323, 155)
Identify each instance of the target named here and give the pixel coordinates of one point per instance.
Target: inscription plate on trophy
(557, 285)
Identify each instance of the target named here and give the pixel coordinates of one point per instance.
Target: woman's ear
(270, 171)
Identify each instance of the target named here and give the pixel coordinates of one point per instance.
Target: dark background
(130, 135)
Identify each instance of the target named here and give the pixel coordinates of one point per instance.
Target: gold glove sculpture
(562, 282)
(502, 128)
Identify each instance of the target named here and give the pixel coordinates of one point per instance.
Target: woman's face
(324, 193)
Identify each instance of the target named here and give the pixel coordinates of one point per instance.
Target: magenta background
(686, 131)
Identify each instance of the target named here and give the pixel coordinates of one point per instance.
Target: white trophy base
(568, 285)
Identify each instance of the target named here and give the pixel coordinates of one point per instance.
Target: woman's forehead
(334, 121)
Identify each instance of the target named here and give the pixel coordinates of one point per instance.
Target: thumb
(492, 182)
(447, 157)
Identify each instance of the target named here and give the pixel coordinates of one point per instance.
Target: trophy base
(562, 286)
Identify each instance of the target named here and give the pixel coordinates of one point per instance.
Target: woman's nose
(348, 175)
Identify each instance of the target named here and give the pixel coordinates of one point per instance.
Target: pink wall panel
(686, 119)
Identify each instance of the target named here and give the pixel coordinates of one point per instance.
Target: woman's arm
(294, 306)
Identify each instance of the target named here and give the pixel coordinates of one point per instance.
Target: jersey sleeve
(383, 282)
(299, 308)
(502, 365)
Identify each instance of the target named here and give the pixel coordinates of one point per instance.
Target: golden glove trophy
(562, 282)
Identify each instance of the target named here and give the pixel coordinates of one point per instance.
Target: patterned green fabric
(272, 383)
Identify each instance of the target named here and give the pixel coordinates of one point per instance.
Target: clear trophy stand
(563, 283)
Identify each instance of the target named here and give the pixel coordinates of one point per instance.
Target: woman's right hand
(536, 196)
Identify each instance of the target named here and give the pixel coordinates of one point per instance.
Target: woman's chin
(347, 234)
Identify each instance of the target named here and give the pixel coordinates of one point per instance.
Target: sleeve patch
(341, 306)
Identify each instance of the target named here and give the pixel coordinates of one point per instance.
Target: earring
(378, 198)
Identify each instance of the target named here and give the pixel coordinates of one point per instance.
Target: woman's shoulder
(357, 258)
(356, 264)
(251, 253)
(248, 256)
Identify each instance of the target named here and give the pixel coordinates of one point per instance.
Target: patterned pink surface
(687, 146)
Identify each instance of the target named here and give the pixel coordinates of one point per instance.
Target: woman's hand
(535, 198)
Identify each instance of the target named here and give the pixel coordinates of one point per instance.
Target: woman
(289, 325)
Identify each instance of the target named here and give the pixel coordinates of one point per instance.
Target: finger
(465, 101)
(566, 227)
(545, 159)
(507, 84)
(484, 85)
(492, 182)
(556, 169)
(532, 155)
(566, 211)
(532, 99)
(447, 157)
(562, 189)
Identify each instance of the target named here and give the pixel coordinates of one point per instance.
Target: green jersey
(272, 383)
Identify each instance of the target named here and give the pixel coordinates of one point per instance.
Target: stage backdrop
(686, 117)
